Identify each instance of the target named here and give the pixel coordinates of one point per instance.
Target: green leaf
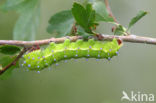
(101, 12)
(91, 15)
(81, 32)
(9, 49)
(11, 4)
(136, 18)
(28, 21)
(120, 30)
(61, 23)
(1, 67)
(85, 17)
(4, 61)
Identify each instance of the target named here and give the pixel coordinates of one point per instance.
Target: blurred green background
(86, 82)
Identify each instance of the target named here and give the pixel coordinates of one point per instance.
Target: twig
(129, 38)
(37, 42)
(74, 29)
(111, 14)
(110, 11)
(132, 39)
(13, 62)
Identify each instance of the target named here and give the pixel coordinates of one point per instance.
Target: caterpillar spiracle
(40, 59)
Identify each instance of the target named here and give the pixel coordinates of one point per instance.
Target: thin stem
(13, 62)
(129, 38)
(132, 39)
(37, 42)
(110, 11)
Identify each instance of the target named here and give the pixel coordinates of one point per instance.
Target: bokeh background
(86, 81)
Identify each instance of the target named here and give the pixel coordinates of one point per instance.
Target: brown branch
(129, 38)
(37, 42)
(110, 11)
(13, 62)
(132, 39)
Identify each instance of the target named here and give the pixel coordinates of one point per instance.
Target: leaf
(81, 32)
(120, 30)
(85, 17)
(11, 4)
(1, 67)
(61, 23)
(136, 18)
(101, 12)
(9, 49)
(91, 15)
(28, 21)
(4, 61)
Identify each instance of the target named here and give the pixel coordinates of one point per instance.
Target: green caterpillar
(40, 59)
